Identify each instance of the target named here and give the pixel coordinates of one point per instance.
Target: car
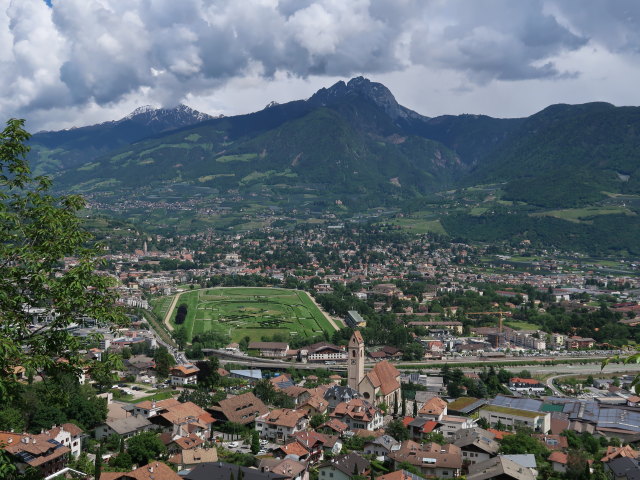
(262, 452)
(264, 442)
(232, 445)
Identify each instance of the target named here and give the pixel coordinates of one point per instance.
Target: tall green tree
(145, 447)
(37, 231)
(164, 361)
(397, 430)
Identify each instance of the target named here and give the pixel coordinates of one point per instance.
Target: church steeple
(355, 363)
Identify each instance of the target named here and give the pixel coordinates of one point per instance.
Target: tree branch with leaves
(38, 230)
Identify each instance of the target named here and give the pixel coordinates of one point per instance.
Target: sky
(66, 63)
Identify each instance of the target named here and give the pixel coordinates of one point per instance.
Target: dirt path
(167, 317)
(326, 315)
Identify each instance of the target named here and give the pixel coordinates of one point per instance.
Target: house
(333, 425)
(325, 352)
(553, 442)
(125, 427)
(358, 413)
(559, 461)
(500, 468)
(227, 471)
(270, 349)
(280, 424)
(579, 343)
(299, 395)
(431, 459)
(449, 425)
(525, 460)
(344, 467)
(623, 468)
(419, 427)
(69, 435)
(433, 409)
(41, 451)
(184, 419)
(139, 364)
(400, 475)
(381, 446)
(318, 444)
(514, 417)
(282, 381)
(186, 374)
(477, 445)
(338, 394)
(618, 452)
(292, 450)
(189, 458)
(316, 404)
(242, 409)
(290, 468)
(526, 385)
(151, 408)
(151, 471)
(177, 444)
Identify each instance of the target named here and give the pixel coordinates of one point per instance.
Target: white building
(280, 424)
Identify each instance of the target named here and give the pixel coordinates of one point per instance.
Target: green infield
(253, 312)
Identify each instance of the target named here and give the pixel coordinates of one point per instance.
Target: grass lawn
(522, 325)
(253, 312)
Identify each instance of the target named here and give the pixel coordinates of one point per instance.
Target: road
(552, 387)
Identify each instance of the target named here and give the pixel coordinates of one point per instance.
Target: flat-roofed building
(514, 417)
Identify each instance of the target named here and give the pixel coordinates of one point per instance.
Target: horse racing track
(253, 312)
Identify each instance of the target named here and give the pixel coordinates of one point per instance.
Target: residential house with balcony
(280, 424)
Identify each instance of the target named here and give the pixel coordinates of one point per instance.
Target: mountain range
(354, 145)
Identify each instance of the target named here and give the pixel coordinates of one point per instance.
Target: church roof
(358, 336)
(385, 376)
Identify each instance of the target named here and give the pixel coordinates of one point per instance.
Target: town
(424, 359)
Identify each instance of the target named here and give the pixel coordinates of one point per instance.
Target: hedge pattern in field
(252, 312)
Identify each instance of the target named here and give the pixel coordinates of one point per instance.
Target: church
(380, 384)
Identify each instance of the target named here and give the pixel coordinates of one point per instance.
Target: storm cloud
(76, 58)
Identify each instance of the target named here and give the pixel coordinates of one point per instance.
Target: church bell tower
(355, 362)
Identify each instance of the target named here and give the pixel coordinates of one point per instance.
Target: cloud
(86, 55)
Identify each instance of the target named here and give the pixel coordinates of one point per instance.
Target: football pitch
(253, 312)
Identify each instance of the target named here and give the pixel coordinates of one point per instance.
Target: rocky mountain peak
(372, 91)
(165, 118)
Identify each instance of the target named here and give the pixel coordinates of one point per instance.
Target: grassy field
(522, 325)
(418, 225)
(160, 306)
(578, 214)
(252, 312)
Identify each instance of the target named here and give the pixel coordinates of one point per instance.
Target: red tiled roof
(429, 426)
(558, 457)
(151, 471)
(433, 406)
(385, 376)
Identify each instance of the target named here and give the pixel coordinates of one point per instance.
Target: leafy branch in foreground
(37, 232)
